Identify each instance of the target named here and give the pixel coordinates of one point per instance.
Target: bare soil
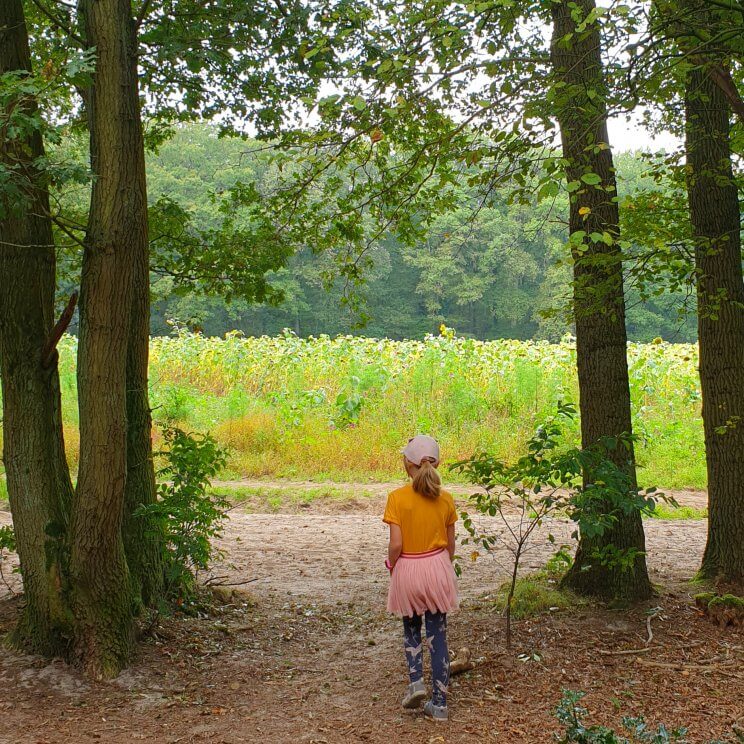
(306, 653)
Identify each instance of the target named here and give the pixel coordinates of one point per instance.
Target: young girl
(422, 520)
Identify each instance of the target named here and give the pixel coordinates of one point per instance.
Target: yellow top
(422, 521)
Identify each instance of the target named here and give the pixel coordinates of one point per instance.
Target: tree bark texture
(104, 598)
(715, 217)
(142, 541)
(599, 306)
(38, 478)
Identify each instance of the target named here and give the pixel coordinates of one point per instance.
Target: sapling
(585, 484)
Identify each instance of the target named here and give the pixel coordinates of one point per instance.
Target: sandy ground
(305, 652)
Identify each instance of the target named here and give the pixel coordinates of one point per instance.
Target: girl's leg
(413, 647)
(436, 640)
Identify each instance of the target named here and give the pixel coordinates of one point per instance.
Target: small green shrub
(187, 514)
(551, 479)
(7, 546)
(572, 716)
(7, 539)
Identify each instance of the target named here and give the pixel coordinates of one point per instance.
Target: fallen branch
(684, 667)
(627, 651)
(462, 662)
(214, 581)
(651, 615)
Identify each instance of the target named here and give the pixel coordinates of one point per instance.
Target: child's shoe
(415, 694)
(435, 712)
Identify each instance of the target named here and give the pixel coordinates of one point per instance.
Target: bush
(572, 716)
(187, 514)
(7, 545)
(551, 479)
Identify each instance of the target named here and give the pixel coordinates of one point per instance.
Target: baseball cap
(420, 448)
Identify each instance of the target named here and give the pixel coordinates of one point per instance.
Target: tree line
(501, 272)
(438, 107)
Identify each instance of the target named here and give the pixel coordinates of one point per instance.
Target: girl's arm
(395, 546)
(451, 541)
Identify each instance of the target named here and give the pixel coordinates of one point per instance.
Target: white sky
(626, 136)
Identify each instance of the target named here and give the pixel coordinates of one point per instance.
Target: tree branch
(49, 354)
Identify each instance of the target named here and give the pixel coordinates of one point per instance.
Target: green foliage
(498, 271)
(572, 716)
(593, 490)
(534, 595)
(21, 94)
(7, 540)
(187, 514)
(262, 397)
(7, 545)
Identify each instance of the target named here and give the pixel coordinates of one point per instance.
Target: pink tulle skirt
(422, 581)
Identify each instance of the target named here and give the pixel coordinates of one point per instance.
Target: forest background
(499, 272)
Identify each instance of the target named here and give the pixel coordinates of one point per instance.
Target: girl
(422, 520)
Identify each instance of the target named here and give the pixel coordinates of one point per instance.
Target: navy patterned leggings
(436, 641)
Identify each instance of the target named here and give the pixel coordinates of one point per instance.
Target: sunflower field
(341, 408)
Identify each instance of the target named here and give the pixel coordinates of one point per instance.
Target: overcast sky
(630, 136)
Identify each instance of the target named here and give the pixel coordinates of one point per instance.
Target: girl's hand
(389, 565)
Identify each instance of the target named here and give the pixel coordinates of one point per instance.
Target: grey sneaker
(435, 712)
(415, 695)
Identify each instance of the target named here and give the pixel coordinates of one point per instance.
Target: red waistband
(421, 555)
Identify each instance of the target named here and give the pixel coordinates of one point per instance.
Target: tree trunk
(103, 595)
(714, 212)
(599, 306)
(142, 541)
(38, 477)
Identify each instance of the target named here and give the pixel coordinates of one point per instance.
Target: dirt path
(305, 653)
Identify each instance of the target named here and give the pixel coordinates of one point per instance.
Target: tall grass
(341, 408)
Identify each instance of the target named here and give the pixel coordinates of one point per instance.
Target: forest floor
(306, 653)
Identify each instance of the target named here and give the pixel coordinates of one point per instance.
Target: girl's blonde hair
(426, 480)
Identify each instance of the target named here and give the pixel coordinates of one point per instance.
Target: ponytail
(426, 480)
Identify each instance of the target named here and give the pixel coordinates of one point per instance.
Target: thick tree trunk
(38, 478)
(714, 212)
(599, 306)
(142, 542)
(103, 595)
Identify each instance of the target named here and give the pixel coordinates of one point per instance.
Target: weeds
(278, 403)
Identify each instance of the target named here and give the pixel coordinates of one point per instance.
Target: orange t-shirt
(422, 521)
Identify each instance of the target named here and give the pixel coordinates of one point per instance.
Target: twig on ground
(688, 667)
(652, 613)
(215, 581)
(627, 651)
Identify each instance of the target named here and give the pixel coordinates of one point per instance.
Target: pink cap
(421, 448)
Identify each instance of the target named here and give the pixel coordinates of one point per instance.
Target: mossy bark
(104, 595)
(38, 477)
(599, 305)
